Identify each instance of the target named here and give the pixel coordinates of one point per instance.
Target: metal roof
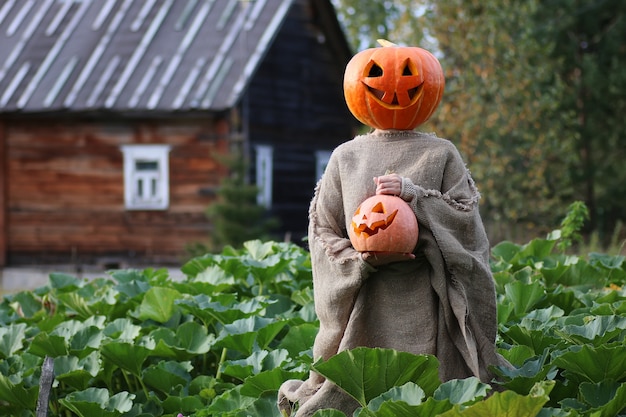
(131, 55)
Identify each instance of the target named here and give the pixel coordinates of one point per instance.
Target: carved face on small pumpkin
(393, 87)
(383, 223)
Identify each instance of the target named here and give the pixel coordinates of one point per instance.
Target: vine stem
(218, 373)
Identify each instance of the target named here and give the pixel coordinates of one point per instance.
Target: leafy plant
(223, 340)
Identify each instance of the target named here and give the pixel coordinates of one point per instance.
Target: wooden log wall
(65, 189)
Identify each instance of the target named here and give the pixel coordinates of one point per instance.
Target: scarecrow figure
(438, 299)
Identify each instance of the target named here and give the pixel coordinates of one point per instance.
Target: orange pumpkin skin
(383, 223)
(393, 87)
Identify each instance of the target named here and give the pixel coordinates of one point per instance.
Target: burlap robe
(442, 303)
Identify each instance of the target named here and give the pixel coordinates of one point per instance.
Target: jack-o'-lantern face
(393, 87)
(368, 224)
(383, 223)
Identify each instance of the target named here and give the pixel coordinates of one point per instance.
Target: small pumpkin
(383, 223)
(393, 87)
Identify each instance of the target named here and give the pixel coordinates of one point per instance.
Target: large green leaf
(128, 356)
(462, 391)
(48, 344)
(267, 381)
(222, 308)
(17, 393)
(243, 334)
(598, 329)
(594, 364)
(229, 401)
(299, 339)
(11, 339)
(189, 340)
(95, 402)
(76, 372)
(524, 296)
(158, 304)
(256, 363)
(507, 404)
(409, 394)
(166, 376)
(366, 373)
(614, 404)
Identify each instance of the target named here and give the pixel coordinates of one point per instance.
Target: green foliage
(223, 340)
(534, 98)
(236, 217)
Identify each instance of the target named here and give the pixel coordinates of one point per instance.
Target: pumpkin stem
(385, 42)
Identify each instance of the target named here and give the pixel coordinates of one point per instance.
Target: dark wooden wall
(296, 104)
(65, 189)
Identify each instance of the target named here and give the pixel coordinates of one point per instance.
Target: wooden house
(113, 113)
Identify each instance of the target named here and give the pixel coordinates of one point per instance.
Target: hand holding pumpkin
(390, 184)
(383, 258)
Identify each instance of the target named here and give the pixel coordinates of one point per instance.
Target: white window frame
(264, 174)
(146, 189)
(321, 161)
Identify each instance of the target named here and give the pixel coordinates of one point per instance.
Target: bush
(221, 341)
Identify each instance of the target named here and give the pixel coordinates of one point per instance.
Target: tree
(236, 217)
(590, 48)
(534, 97)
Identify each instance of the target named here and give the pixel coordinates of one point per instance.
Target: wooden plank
(3, 203)
(66, 194)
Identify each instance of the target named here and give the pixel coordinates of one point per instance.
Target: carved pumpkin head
(384, 223)
(393, 87)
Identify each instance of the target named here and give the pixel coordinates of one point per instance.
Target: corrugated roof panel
(105, 77)
(53, 55)
(128, 55)
(98, 51)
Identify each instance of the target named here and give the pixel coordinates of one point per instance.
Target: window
(264, 168)
(146, 177)
(321, 160)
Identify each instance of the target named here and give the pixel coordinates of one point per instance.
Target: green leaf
(524, 296)
(222, 307)
(594, 364)
(65, 282)
(48, 344)
(128, 356)
(365, 373)
(598, 394)
(505, 251)
(95, 402)
(76, 303)
(614, 405)
(76, 372)
(242, 334)
(11, 339)
(299, 339)
(462, 391)
(598, 329)
(329, 412)
(229, 401)
(166, 376)
(507, 404)
(521, 379)
(122, 329)
(259, 361)
(175, 404)
(158, 304)
(29, 305)
(409, 393)
(189, 340)
(267, 381)
(15, 392)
